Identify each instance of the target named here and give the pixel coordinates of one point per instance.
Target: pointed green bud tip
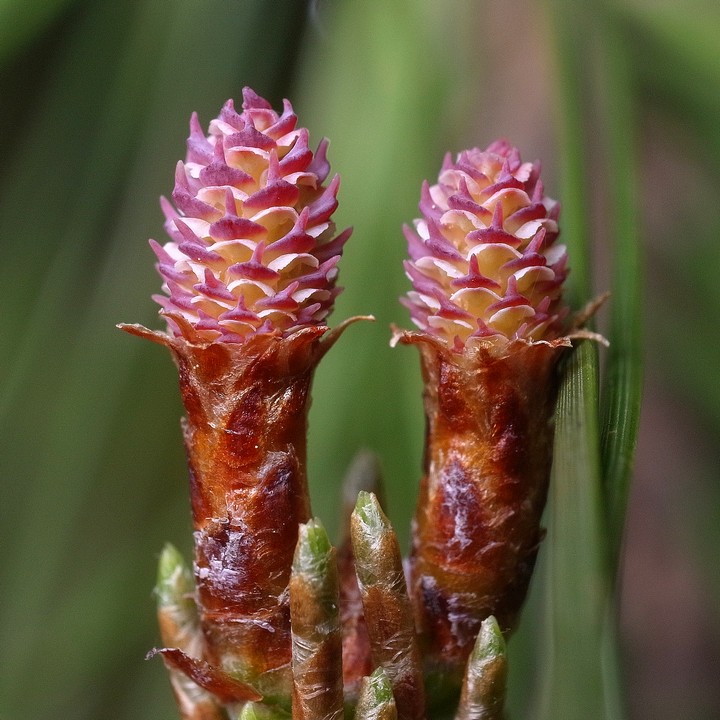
(313, 547)
(170, 560)
(369, 511)
(490, 642)
(174, 579)
(380, 687)
(376, 700)
(258, 711)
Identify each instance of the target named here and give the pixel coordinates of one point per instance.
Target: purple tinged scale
(252, 248)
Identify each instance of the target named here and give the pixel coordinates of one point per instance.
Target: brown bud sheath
(477, 525)
(245, 434)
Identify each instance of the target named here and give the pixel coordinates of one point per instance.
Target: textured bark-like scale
(245, 435)
(488, 452)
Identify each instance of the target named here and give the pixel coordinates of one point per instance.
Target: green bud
(174, 579)
(258, 711)
(490, 643)
(483, 692)
(388, 613)
(376, 701)
(369, 511)
(312, 550)
(315, 624)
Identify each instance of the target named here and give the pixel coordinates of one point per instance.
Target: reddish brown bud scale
(245, 436)
(488, 454)
(224, 687)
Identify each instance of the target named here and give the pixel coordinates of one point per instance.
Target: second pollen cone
(487, 276)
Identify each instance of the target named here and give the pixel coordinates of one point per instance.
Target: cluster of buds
(271, 620)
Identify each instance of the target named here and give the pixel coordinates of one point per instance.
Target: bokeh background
(621, 102)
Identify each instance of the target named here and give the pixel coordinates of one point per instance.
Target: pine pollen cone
(487, 278)
(249, 275)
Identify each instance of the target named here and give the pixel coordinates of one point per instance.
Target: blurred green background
(621, 102)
